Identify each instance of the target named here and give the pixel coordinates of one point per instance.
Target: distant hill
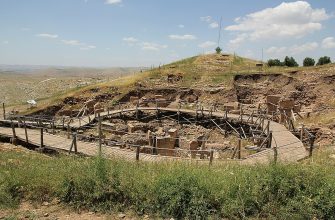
(64, 70)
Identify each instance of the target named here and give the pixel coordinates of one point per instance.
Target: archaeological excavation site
(254, 117)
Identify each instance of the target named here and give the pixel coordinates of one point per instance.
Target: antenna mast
(219, 38)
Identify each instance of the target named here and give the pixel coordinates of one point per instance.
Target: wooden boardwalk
(289, 148)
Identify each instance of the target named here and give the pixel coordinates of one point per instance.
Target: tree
(309, 61)
(218, 50)
(290, 62)
(274, 62)
(324, 60)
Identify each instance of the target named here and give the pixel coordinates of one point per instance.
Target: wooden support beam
(75, 142)
(154, 150)
(25, 131)
(302, 132)
(138, 150)
(63, 123)
(42, 139)
(311, 146)
(14, 133)
(53, 127)
(68, 130)
(4, 110)
(239, 149)
(211, 156)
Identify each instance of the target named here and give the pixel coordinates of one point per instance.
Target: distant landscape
(23, 83)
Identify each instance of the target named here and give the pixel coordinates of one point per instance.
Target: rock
(46, 214)
(45, 204)
(90, 213)
(121, 215)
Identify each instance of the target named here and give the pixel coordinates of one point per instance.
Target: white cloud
(72, 42)
(292, 50)
(5, 42)
(235, 43)
(211, 23)
(298, 49)
(207, 44)
(25, 29)
(45, 35)
(182, 37)
(130, 39)
(90, 47)
(112, 2)
(181, 26)
(214, 25)
(328, 43)
(294, 19)
(276, 50)
(206, 18)
(152, 46)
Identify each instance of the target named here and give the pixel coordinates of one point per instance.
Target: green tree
(218, 50)
(324, 60)
(274, 62)
(309, 61)
(290, 62)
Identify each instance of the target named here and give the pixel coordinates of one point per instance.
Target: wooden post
(75, 142)
(63, 123)
(14, 133)
(239, 149)
(138, 153)
(178, 114)
(68, 130)
(270, 139)
(155, 145)
(25, 131)
(4, 111)
(53, 127)
(137, 112)
(302, 133)
(241, 113)
(311, 145)
(42, 144)
(268, 128)
(100, 134)
(211, 157)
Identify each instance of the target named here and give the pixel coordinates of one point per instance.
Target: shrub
(309, 61)
(324, 60)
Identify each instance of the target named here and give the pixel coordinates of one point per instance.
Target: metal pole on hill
(220, 28)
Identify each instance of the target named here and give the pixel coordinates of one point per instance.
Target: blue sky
(152, 32)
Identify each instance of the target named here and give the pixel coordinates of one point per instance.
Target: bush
(309, 61)
(274, 62)
(290, 62)
(218, 50)
(182, 197)
(324, 60)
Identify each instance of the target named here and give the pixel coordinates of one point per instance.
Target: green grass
(298, 191)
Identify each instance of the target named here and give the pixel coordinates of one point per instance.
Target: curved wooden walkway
(289, 148)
